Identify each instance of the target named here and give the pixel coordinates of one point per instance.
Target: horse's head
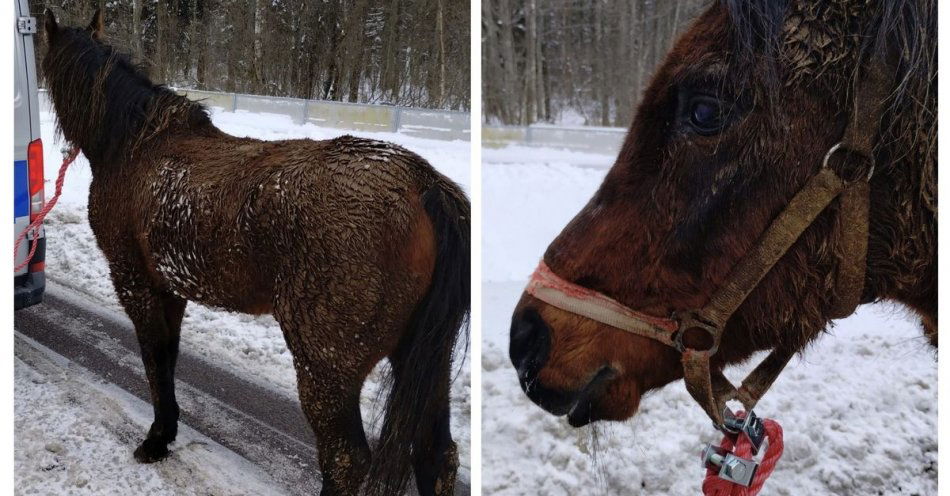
(77, 66)
(735, 120)
(74, 55)
(104, 103)
(59, 36)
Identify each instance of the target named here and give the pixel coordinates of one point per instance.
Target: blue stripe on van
(21, 189)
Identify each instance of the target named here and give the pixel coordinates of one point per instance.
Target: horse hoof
(151, 451)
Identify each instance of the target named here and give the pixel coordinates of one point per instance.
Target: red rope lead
(38, 221)
(714, 486)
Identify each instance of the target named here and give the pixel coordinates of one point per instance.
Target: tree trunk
(510, 93)
(257, 62)
(204, 45)
(389, 79)
(158, 60)
(137, 31)
(440, 34)
(539, 78)
(531, 69)
(350, 52)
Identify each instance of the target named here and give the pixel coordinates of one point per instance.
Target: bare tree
(137, 51)
(401, 52)
(554, 60)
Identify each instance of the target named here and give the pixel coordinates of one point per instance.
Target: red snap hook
(741, 449)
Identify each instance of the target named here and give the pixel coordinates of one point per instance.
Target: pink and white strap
(550, 288)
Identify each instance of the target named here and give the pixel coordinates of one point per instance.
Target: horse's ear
(49, 25)
(97, 26)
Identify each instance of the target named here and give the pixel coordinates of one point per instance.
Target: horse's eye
(706, 116)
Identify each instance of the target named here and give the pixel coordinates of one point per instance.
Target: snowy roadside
(516, 154)
(859, 407)
(75, 435)
(252, 347)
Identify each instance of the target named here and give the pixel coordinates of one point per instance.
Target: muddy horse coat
(359, 249)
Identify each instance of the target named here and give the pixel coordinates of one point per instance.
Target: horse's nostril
(530, 343)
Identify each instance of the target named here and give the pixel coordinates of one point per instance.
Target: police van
(28, 282)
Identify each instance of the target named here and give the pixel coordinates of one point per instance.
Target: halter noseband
(709, 387)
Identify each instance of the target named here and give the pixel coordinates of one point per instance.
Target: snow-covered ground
(250, 346)
(74, 434)
(859, 408)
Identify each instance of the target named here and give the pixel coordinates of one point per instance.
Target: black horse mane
(902, 32)
(757, 31)
(105, 103)
(905, 28)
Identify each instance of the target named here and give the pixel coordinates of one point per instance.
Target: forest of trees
(574, 60)
(402, 52)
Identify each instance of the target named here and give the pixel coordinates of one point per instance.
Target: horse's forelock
(823, 41)
(756, 25)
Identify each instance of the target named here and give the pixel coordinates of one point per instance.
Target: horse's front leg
(157, 318)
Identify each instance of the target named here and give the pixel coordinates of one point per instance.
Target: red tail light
(34, 156)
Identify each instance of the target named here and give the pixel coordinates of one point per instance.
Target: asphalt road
(265, 427)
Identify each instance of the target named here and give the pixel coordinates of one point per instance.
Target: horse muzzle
(529, 350)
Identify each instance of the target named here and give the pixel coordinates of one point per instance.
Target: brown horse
(734, 123)
(359, 249)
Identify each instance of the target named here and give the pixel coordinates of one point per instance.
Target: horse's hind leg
(436, 467)
(330, 375)
(332, 405)
(157, 318)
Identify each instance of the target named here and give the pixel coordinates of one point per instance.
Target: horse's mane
(817, 41)
(107, 104)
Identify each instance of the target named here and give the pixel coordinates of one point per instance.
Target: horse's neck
(902, 261)
(123, 144)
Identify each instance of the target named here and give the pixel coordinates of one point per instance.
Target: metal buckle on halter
(749, 426)
(728, 466)
(691, 319)
(839, 146)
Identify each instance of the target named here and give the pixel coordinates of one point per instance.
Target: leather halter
(708, 386)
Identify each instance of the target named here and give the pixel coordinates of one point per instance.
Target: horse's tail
(419, 400)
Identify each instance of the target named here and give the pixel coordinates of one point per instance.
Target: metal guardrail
(421, 123)
(592, 139)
